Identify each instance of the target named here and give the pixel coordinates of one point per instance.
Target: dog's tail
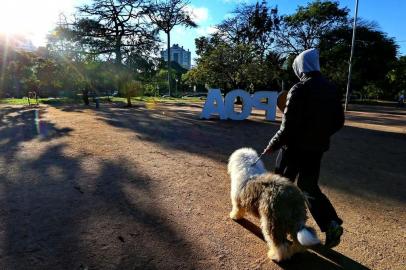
(307, 236)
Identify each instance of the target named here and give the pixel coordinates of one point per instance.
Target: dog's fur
(278, 203)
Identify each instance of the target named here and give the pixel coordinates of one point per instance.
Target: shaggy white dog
(278, 203)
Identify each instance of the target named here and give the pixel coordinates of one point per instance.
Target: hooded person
(307, 61)
(313, 113)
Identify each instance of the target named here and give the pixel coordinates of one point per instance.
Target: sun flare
(32, 19)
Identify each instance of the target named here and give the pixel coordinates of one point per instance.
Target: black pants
(305, 165)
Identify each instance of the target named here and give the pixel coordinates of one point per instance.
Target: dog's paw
(236, 215)
(274, 256)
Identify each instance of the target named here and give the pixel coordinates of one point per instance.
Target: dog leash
(263, 153)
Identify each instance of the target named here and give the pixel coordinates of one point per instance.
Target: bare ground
(147, 188)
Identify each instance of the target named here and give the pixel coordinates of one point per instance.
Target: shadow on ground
(178, 127)
(18, 125)
(65, 211)
(53, 208)
(316, 258)
(378, 109)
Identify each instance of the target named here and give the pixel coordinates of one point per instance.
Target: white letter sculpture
(246, 104)
(214, 104)
(269, 106)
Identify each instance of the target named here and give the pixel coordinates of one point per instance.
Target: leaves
(305, 28)
(251, 24)
(166, 14)
(111, 27)
(240, 54)
(375, 55)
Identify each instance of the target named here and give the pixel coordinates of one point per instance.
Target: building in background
(179, 55)
(17, 42)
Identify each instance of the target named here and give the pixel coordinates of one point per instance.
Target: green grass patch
(14, 101)
(67, 101)
(156, 99)
(373, 102)
(52, 101)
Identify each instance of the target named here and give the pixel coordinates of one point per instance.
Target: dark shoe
(333, 235)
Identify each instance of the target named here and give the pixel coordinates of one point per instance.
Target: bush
(372, 91)
(151, 90)
(131, 89)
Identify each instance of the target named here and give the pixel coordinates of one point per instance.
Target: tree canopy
(239, 54)
(114, 27)
(256, 47)
(305, 28)
(112, 46)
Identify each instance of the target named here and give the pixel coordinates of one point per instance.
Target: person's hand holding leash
(268, 150)
(263, 153)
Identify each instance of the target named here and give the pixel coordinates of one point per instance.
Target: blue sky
(390, 16)
(37, 17)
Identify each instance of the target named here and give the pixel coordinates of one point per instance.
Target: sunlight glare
(33, 19)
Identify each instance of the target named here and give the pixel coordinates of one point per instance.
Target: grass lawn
(24, 101)
(14, 101)
(65, 100)
(155, 99)
(377, 102)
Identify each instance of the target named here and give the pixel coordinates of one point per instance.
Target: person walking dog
(312, 114)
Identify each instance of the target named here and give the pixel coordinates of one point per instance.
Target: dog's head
(242, 166)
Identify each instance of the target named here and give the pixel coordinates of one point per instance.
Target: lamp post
(176, 86)
(354, 29)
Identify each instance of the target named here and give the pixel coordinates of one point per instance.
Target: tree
(233, 66)
(131, 88)
(397, 77)
(143, 66)
(48, 73)
(254, 25)
(375, 55)
(18, 73)
(166, 14)
(239, 54)
(113, 27)
(305, 28)
(62, 42)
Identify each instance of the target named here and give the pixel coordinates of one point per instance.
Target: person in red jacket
(312, 114)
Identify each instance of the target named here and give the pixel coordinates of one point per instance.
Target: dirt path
(147, 188)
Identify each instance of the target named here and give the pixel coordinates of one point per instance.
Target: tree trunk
(85, 96)
(129, 104)
(119, 56)
(169, 63)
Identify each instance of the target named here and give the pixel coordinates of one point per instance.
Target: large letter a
(214, 105)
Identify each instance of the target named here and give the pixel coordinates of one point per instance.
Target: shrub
(130, 89)
(151, 90)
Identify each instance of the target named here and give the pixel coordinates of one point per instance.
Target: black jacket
(313, 113)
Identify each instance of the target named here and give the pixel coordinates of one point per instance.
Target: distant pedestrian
(95, 98)
(401, 100)
(85, 96)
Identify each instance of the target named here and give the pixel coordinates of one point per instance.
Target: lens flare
(150, 104)
(37, 122)
(4, 54)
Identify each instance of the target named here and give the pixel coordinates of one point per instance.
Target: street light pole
(176, 89)
(354, 29)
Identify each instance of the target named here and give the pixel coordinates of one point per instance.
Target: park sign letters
(225, 109)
